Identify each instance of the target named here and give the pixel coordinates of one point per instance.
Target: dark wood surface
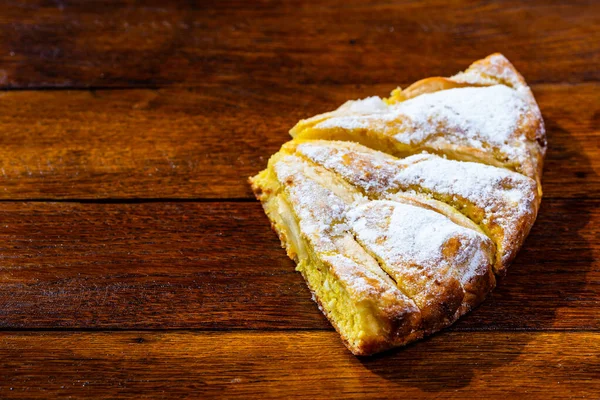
(453, 365)
(134, 262)
(178, 42)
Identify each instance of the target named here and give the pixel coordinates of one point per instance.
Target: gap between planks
(188, 86)
(140, 200)
(447, 330)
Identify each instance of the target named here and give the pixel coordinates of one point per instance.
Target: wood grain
(123, 43)
(194, 265)
(219, 266)
(305, 365)
(155, 276)
(205, 142)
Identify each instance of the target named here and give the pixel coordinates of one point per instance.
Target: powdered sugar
(476, 117)
(368, 169)
(370, 105)
(505, 198)
(321, 216)
(402, 232)
(494, 69)
(318, 208)
(495, 190)
(417, 245)
(363, 284)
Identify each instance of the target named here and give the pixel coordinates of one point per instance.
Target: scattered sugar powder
(414, 235)
(488, 187)
(497, 68)
(366, 285)
(318, 208)
(368, 169)
(474, 116)
(500, 68)
(403, 235)
(505, 197)
(373, 104)
(320, 213)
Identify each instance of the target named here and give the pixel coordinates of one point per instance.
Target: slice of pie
(397, 248)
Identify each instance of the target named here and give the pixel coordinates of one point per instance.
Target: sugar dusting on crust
(416, 242)
(371, 170)
(321, 214)
(476, 117)
(318, 209)
(491, 70)
(369, 105)
(506, 198)
(323, 219)
(363, 284)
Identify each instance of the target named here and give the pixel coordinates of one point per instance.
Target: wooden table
(135, 262)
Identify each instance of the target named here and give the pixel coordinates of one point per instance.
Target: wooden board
(134, 262)
(123, 43)
(453, 365)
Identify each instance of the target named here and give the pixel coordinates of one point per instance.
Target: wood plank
(205, 142)
(219, 266)
(307, 365)
(119, 43)
(211, 266)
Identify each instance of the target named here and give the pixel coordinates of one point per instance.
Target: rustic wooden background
(134, 261)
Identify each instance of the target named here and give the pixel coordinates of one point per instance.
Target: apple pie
(400, 213)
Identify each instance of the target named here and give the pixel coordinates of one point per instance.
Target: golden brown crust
(403, 328)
